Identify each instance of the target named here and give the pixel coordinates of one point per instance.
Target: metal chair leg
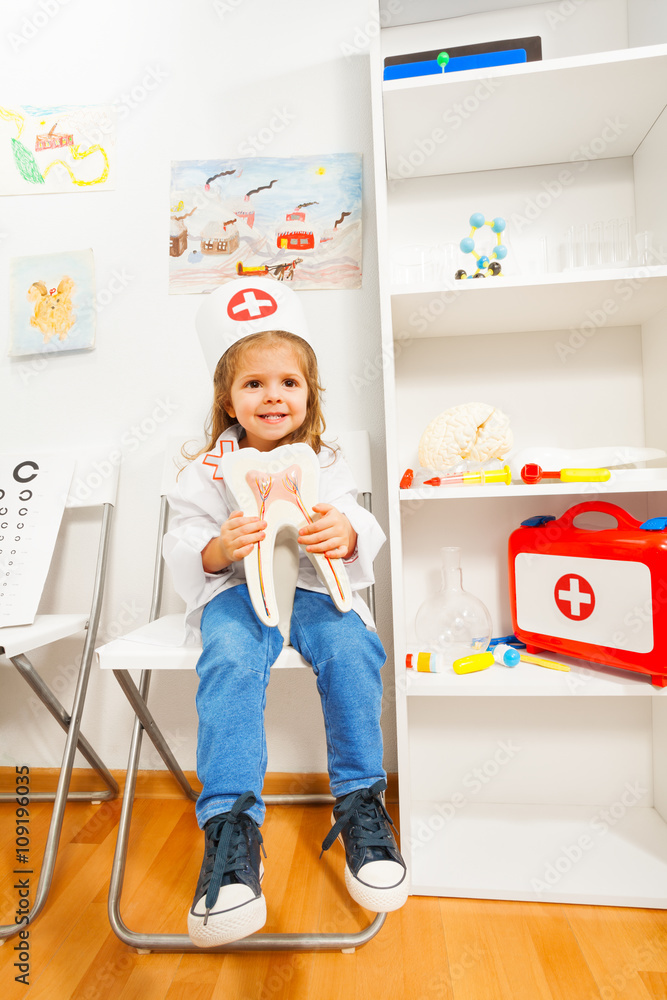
(46, 696)
(73, 737)
(60, 801)
(138, 702)
(146, 942)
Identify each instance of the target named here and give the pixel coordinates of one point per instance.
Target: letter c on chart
(25, 479)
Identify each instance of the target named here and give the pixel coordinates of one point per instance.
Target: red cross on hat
(245, 306)
(251, 303)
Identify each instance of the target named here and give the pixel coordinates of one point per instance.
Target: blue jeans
(234, 670)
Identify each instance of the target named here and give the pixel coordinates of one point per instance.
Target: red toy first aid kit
(598, 595)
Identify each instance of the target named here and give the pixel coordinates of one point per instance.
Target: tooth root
(282, 487)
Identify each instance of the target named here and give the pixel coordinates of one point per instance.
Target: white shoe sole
(378, 900)
(375, 899)
(228, 926)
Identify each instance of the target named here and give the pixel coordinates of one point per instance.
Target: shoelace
(368, 813)
(231, 853)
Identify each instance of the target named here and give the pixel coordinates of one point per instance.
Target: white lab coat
(200, 504)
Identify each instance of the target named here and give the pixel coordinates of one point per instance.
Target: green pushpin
(443, 59)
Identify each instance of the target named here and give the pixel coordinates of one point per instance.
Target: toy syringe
(483, 477)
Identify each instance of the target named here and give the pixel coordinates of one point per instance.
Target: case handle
(623, 519)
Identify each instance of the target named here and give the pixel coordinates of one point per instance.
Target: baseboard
(162, 784)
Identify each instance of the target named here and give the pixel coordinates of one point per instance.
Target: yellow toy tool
(541, 662)
(481, 661)
(476, 661)
(532, 473)
(484, 476)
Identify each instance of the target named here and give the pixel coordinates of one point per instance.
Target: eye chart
(33, 492)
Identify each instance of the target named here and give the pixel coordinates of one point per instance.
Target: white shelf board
(506, 851)
(486, 118)
(621, 481)
(529, 680)
(605, 298)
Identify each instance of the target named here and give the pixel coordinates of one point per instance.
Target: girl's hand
(237, 537)
(331, 534)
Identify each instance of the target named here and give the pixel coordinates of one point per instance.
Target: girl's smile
(269, 396)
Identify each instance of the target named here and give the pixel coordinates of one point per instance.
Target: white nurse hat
(244, 306)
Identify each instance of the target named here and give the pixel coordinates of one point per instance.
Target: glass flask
(454, 623)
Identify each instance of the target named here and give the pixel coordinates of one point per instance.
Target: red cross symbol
(225, 446)
(251, 303)
(574, 597)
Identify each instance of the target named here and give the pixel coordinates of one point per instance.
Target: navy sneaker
(376, 875)
(228, 902)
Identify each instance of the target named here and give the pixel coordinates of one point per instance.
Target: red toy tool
(532, 473)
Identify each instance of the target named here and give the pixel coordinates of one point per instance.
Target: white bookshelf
(620, 481)
(587, 734)
(527, 680)
(526, 852)
(499, 131)
(546, 302)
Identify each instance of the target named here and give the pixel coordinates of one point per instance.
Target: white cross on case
(605, 602)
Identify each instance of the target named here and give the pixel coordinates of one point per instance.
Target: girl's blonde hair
(219, 420)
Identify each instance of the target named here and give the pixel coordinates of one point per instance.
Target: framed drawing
(295, 219)
(52, 303)
(56, 149)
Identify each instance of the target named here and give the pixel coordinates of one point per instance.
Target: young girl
(266, 394)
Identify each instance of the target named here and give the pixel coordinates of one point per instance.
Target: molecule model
(484, 262)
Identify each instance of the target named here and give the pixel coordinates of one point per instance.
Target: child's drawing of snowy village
(295, 219)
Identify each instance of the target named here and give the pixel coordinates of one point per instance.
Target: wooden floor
(432, 949)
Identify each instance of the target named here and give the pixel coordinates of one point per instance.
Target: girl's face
(269, 396)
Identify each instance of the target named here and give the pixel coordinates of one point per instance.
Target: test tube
(644, 242)
(609, 242)
(581, 246)
(622, 242)
(595, 238)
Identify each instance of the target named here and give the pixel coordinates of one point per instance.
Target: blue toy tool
(507, 655)
(508, 640)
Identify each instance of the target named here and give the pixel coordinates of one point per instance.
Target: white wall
(191, 80)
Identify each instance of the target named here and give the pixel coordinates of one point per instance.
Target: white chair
(89, 489)
(156, 646)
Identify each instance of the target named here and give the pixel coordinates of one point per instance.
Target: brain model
(474, 432)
